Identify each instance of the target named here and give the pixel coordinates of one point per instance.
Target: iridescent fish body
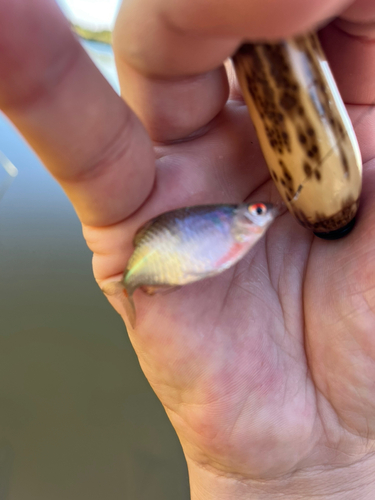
(190, 244)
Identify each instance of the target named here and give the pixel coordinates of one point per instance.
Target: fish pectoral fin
(162, 289)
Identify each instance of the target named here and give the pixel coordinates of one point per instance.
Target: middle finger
(173, 109)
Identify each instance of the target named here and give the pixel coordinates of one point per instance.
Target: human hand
(265, 371)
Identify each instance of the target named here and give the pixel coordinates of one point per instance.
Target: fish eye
(258, 209)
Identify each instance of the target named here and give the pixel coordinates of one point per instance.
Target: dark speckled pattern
(313, 159)
(310, 46)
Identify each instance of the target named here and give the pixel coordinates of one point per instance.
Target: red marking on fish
(235, 250)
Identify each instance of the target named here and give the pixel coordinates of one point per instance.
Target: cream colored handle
(304, 130)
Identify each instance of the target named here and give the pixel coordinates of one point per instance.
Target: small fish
(190, 244)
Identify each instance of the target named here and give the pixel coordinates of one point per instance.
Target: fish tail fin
(116, 288)
(112, 288)
(129, 307)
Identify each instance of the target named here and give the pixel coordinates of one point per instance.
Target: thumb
(187, 37)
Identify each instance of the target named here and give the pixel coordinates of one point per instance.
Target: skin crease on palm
(266, 371)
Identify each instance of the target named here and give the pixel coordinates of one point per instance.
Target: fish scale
(193, 243)
(177, 243)
(313, 156)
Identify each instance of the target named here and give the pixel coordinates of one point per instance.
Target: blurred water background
(78, 420)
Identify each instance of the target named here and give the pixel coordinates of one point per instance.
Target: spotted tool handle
(304, 131)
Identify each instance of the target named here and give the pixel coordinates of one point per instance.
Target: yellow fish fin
(129, 308)
(117, 288)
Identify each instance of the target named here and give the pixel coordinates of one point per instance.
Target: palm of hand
(266, 367)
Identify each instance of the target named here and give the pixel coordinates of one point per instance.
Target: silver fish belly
(190, 244)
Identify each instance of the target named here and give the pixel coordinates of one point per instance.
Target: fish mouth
(278, 209)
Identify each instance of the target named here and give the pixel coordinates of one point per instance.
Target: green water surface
(78, 420)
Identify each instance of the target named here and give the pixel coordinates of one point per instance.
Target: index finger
(81, 129)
